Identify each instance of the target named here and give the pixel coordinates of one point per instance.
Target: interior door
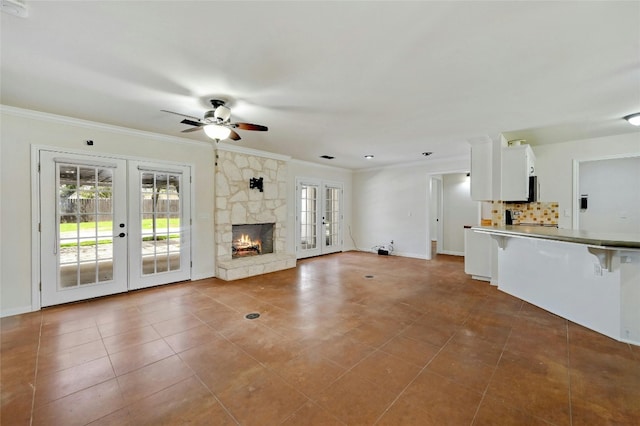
(83, 227)
(318, 218)
(160, 224)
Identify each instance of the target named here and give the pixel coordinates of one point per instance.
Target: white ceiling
(392, 79)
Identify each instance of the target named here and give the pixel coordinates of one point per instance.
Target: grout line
(35, 372)
(495, 369)
(566, 324)
(224, 407)
(414, 379)
(491, 378)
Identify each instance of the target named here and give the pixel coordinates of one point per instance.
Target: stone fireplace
(241, 209)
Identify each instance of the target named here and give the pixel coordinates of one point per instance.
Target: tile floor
(418, 343)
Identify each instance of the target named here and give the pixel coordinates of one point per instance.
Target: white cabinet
(477, 255)
(517, 164)
(481, 170)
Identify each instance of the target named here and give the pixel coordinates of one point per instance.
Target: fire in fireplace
(251, 239)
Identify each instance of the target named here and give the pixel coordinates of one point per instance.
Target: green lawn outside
(108, 225)
(93, 243)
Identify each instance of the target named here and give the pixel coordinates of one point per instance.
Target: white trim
(427, 162)
(575, 207)
(312, 164)
(609, 157)
(201, 277)
(60, 119)
(249, 151)
(159, 169)
(35, 233)
(452, 253)
(92, 153)
(412, 255)
(76, 163)
(15, 311)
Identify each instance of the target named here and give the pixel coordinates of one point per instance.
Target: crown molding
(61, 119)
(427, 164)
(326, 166)
(249, 151)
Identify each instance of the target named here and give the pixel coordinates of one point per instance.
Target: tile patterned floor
(419, 343)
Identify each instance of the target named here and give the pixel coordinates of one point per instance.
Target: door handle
(122, 235)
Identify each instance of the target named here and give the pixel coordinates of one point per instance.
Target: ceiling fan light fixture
(217, 132)
(222, 113)
(633, 118)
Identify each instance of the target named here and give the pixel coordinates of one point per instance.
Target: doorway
(319, 217)
(435, 210)
(108, 225)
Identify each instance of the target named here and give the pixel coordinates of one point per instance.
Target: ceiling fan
(216, 123)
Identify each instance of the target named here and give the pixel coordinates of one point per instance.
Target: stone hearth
(238, 204)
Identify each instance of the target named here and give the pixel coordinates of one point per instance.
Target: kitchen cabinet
(478, 249)
(517, 164)
(481, 170)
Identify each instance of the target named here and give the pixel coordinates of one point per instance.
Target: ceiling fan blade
(192, 129)
(234, 136)
(192, 123)
(182, 115)
(249, 126)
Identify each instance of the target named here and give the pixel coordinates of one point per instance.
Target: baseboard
(195, 277)
(15, 311)
(452, 253)
(412, 255)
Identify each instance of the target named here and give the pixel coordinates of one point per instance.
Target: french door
(103, 225)
(318, 217)
(83, 250)
(161, 247)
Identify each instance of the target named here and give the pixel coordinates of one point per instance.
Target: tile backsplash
(538, 213)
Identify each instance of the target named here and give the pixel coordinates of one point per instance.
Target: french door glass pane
(308, 214)
(160, 222)
(85, 225)
(332, 213)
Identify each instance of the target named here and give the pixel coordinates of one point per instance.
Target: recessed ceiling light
(368, 156)
(327, 157)
(426, 154)
(633, 118)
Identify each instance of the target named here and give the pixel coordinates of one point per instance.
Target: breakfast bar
(590, 278)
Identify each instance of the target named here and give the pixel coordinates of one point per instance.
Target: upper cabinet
(517, 164)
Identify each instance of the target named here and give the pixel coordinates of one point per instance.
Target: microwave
(534, 189)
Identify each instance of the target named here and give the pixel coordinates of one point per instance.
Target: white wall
(21, 129)
(554, 166)
(459, 210)
(613, 189)
(393, 204)
(303, 169)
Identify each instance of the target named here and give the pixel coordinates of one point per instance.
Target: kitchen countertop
(603, 239)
